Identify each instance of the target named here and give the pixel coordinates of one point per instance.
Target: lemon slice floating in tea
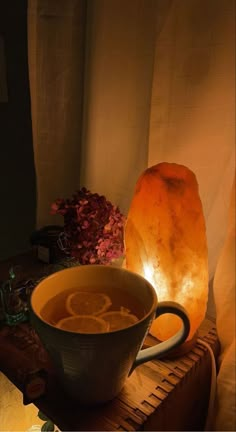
(87, 303)
(119, 320)
(83, 324)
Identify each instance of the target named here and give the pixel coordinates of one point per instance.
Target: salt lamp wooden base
(176, 352)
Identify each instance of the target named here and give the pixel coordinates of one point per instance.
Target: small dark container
(46, 241)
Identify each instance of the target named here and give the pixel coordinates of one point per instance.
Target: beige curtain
(158, 85)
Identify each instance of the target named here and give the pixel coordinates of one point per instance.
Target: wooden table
(161, 395)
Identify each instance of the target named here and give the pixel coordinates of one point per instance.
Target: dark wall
(17, 172)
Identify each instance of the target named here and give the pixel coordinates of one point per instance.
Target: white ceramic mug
(93, 367)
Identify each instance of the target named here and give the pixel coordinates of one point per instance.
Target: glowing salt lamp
(165, 241)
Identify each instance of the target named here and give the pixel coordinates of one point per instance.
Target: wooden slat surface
(144, 394)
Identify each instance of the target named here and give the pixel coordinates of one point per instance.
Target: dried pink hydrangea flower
(93, 227)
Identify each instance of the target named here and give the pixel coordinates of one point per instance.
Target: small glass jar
(14, 300)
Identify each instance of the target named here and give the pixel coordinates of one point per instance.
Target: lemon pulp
(118, 320)
(87, 303)
(83, 324)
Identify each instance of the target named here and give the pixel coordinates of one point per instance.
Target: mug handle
(163, 348)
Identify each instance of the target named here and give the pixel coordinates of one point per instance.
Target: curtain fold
(119, 66)
(56, 35)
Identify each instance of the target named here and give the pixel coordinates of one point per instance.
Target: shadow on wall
(18, 181)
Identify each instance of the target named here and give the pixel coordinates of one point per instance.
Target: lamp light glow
(165, 241)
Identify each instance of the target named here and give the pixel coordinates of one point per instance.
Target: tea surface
(93, 302)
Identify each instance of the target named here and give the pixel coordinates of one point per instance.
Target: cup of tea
(93, 320)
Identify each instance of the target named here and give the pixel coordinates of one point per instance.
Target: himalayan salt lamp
(165, 241)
